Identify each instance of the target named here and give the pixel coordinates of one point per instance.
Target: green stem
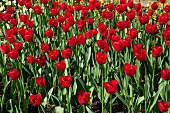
(68, 102)
(169, 56)
(102, 93)
(145, 87)
(153, 76)
(167, 84)
(110, 103)
(84, 109)
(132, 96)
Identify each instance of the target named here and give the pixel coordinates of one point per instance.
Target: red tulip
(167, 43)
(10, 10)
(61, 65)
(18, 45)
(144, 19)
(66, 53)
(53, 22)
(53, 54)
(49, 33)
(165, 74)
(78, 7)
(36, 99)
(119, 45)
(44, 2)
(83, 97)
(97, 5)
(137, 47)
(102, 44)
(28, 35)
(154, 6)
(121, 25)
(54, 11)
(81, 39)
(55, 4)
(84, 11)
(130, 3)
(37, 9)
(162, 1)
(30, 23)
(167, 8)
(61, 18)
(133, 33)
(70, 21)
(94, 32)
(129, 70)
(167, 34)
(63, 6)
(102, 27)
(30, 59)
(13, 74)
(141, 54)
(80, 24)
(40, 81)
(5, 48)
(88, 34)
(163, 106)
(90, 21)
(14, 21)
(138, 6)
(151, 29)
(10, 39)
(65, 81)
(101, 58)
(13, 54)
(110, 6)
(111, 86)
(163, 19)
(6, 16)
(28, 4)
(157, 51)
(127, 41)
(65, 27)
(41, 61)
(121, 8)
(72, 41)
(150, 12)
(21, 2)
(109, 15)
(45, 47)
(130, 14)
(115, 38)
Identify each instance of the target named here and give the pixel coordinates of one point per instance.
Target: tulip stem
(145, 87)
(167, 90)
(132, 95)
(153, 76)
(68, 108)
(102, 93)
(110, 103)
(84, 110)
(169, 55)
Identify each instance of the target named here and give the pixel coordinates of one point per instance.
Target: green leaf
(156, 95)
(59, 109)
(89, 110)
(123, 100)
(46, 99)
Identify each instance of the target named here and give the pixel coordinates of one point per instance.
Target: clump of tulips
(66, 54)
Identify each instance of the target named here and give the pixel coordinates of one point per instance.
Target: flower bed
(84, 56)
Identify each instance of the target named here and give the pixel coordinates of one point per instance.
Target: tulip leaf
(156, 95)
(59, 109)
(89, 110)
(123, 100)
